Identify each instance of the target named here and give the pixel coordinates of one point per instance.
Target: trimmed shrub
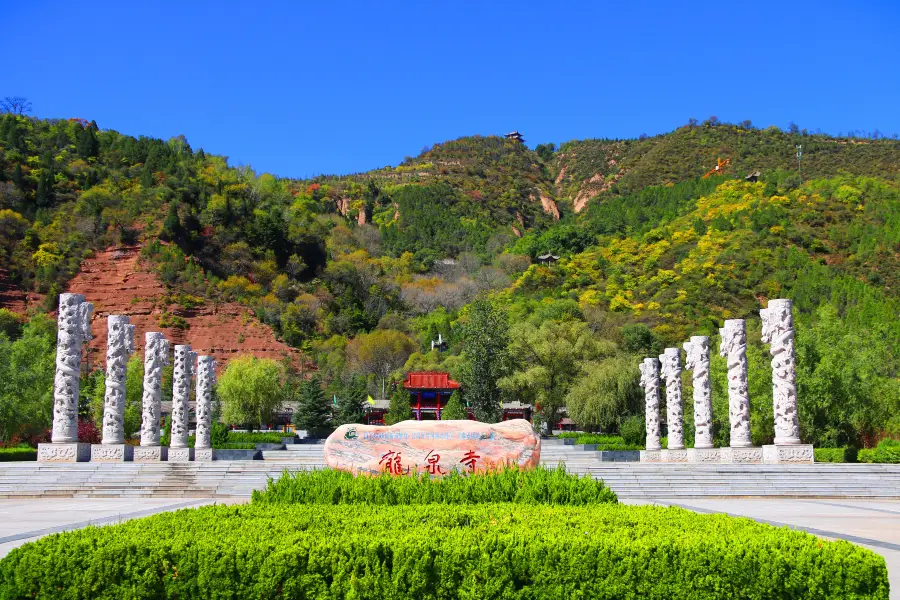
(835, 455)
(535, 486)
(632, 429)
(607, 442)
(257, 437)
(881, 454)
(399, 552)
(18, 453)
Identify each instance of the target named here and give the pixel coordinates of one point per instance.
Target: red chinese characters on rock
(391, 463)
(431, 463)
(469, 460)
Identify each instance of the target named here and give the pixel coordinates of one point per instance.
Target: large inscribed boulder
(434, 447)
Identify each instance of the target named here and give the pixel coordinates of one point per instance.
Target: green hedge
(535, 486)
(606, 442)
(18, 453)
(257, 438)
(473, 552)
(239, 446)
(889, 455)
(835, 455)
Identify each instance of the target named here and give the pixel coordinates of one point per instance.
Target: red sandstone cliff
(116, 282)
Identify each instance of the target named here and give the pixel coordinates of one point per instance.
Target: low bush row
(257, 437)
(835, 455)
(881, 454)
(607, 442)
(17, 453)
(428, 552)
(535, 486)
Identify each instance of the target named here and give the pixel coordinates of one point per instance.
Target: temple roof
(429, 380)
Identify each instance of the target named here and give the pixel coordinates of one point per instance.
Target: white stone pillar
(778, 332)
(734, 348)
(73, 331)
(156, 357)
(181, 392)
(650, 382)
(697, 353)
(119, 346)
(671, 373)
(697, 361)
(206, 379)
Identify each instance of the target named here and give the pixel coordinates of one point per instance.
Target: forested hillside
(361, 272)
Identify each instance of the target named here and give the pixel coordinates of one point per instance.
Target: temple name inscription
(436, 448)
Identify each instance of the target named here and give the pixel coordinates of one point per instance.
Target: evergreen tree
(44, 194)
(147, 178)
(455, 410)
(399, 409)
(486, 338)
(17, 176)
(172, 225)
(350, 400)
(312, 411)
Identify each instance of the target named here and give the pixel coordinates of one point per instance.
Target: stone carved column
(734, 347)
(206, 379)
(671, 373)
(119, 346)
(156, 357)
(181, 392)
(74, 330)
(650, 383)
(778, 332)
(697, 361)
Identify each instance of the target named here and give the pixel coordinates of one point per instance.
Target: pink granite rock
(435, 447)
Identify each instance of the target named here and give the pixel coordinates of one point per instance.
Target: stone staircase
(237, 479)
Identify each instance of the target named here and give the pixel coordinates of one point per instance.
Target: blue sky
(304, 88)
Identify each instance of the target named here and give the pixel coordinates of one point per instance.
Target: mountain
(650, 252)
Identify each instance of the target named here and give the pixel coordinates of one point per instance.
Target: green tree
(251, 390)
(27, 366)
(548, 360)
(399, 409)
(350, 398)
(380, 353)
(455, 410)
(606, 394)
(313, 411)
(486, 341)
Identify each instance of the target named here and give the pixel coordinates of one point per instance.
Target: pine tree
(312, 411)
(350, 399)
(454, 411)
(147, 178)
(172, 225)
(399, 409)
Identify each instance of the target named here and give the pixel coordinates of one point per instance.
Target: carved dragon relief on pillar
(734, 348)
(156, 357)
(181, 392)
(74, 330)
(206, 379)
(697, 361)
(650, 382)
(119, 346)
(778, 332)
(671, 373)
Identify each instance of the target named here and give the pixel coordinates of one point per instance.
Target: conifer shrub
(478, 551)
(534, 486)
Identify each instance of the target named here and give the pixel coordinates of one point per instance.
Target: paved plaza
(873, 524)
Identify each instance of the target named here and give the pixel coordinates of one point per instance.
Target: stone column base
(111, 452)
(651, 456)
(151, 453)
(181, 454)
(204, 454)
(799, 453)
(69, 452)
(746, 456)
(680, 455)
(704, 455)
